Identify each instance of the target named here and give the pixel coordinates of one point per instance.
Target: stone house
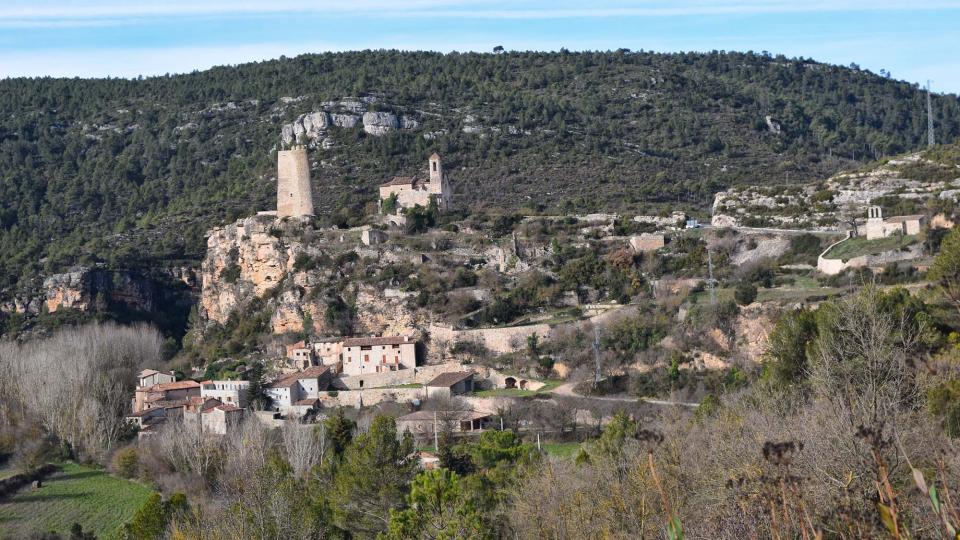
(425, 423)
(300, 354)
(450, 384)
(150, 377)
(146, 418)
(378, 355)
(164, 394)
(228, 392)
(214, 418)
(410, 191)
(291, 388)
(878, 227)
(328, 351)
(371, 237)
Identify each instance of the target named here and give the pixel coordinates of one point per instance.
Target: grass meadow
(77, 494)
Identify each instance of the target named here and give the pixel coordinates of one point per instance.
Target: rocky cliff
(301, 277)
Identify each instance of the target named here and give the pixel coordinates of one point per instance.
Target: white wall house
(363, 356)
(150, 377)
(231, 392)
(288, 390)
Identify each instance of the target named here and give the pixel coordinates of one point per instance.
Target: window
(366, 358)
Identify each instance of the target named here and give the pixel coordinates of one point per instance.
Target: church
(410, 191)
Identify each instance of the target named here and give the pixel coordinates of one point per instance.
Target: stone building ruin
(294, 191)
(411, 191)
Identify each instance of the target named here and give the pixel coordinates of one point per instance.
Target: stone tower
(294, 192)
(436, 170)
(438, 182)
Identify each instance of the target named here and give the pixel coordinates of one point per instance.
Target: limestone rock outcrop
(380, 123)
(257, 258)
(311, 128)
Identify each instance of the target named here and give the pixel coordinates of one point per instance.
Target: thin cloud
(21, 13)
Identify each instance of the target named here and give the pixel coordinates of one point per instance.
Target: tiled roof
(164, 387)
(442, 416)
(367, 341)
(290, 378)
(446, 380)
(225, 407)
(400, 181)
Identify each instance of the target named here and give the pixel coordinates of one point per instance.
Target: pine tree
(256, 396)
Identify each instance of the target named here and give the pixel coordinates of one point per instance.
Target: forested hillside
(133, 172)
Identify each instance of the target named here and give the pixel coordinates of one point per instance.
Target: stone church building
(411, 191)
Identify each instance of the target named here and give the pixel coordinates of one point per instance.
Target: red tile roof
(165, 387)
(446, 380)
(367, 341)
(290, 378)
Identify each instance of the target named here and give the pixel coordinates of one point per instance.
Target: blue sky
(915, 40)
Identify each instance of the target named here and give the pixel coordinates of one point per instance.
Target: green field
(77, 494)
(855, 247)
(565, 450)
(7, 472)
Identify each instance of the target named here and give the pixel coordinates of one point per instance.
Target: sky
(914, 40)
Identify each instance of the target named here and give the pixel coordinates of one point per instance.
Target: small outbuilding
(424, 423)
(449, 384)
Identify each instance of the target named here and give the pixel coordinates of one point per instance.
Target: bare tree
(305, 445)
(78, 381)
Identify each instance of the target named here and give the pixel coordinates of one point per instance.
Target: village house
(425, 423)
(450, 384)
(300, 354)
(150, 377)
(878, 227)
(371, 237)
(212, 418)
(146, 419)
(410, 191)
(362, 356)
(329, 353)
(229, 392)
(289, 389)
(164, 394)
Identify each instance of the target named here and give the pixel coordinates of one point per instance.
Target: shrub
(126, 462)
(230, 273)
(745, 293)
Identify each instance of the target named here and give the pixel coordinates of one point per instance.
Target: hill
(122, 173)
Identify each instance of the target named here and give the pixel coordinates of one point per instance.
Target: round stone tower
(294, 192)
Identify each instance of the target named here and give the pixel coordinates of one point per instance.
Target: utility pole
(930, 137)
(596, 355)
(436, 439)
(710, 283)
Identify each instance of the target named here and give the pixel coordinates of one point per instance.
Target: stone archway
(509, 382)
(523, 385)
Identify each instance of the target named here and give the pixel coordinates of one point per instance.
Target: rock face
(379, 123)
(306, 127)
(98, 289)
(257, 258)
(311, 128)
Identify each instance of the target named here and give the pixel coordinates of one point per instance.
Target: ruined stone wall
(497, 340)
(417, 375)
(294, 193)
